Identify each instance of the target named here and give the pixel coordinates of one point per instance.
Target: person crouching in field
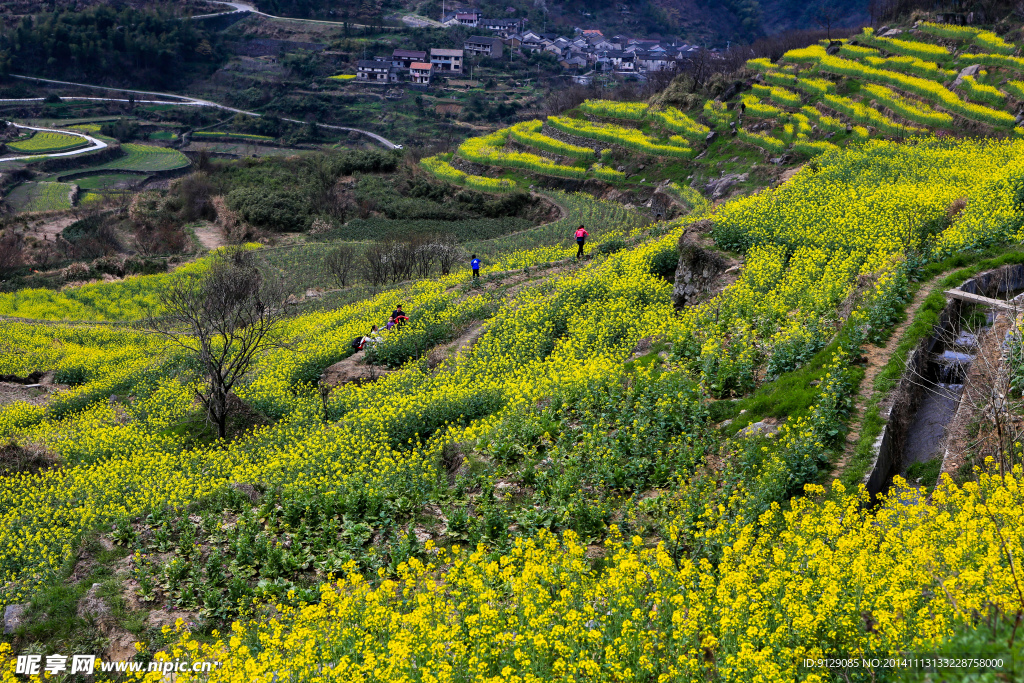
(475, 265)
(581, 238)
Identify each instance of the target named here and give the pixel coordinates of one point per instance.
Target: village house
(446, 61)
(419, 73)
(403, 59)
(376, 71)
(483, 45)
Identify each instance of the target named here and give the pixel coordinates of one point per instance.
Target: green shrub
(278, 210)
(611, 246)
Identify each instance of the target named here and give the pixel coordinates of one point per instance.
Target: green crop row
(812, 147)
(948, 31)
(1015, 88)
(858, 51)
(966, 34)
(606, 173)
(630, 138)
(781, 96)
(815, 86)
(927, 89)
(811, 54)
(754, 108)
(762, 64)
(867, 115)
(43, 196)
(910, 48)
(908, 109)
(781, 79)
(528, 133)
(716, 112)
(1001, 61)
(486, 150)
(765, 142)
(635, 111)
(225, 134)
(46, 142)
(982, 92)
(991, 41)
(911, 65)
(677, 121)
(440, 168)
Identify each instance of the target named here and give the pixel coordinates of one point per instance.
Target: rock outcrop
(702, 271)
(352, 369)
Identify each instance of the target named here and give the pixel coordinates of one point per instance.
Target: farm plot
(141, 158)
(41, 196)
(46, 142)
(105, 181)
(214, 134)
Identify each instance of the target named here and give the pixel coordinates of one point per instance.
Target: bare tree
(827, 15)
(340, 262)
(448, 252)
(11, 252)
(374, 264)
(225, 319)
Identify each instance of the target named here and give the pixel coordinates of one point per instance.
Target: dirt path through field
(877, 358)
(210, 236)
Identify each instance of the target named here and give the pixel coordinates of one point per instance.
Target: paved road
(197, 102)
(245, 7)
(95, 144)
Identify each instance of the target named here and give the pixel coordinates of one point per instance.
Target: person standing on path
(475, 265)
(581, 238)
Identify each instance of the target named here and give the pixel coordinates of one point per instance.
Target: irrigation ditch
(930, 394)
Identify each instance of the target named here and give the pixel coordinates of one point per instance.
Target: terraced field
(142, 158)
(41, 196)
(46, 142)
(928, 80)
(103, 181)
(213, 134)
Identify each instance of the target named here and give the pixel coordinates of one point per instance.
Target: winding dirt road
(195, 102)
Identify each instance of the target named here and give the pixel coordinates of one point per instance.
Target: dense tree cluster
(105, 44)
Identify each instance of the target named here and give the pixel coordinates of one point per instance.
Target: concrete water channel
(920, 409)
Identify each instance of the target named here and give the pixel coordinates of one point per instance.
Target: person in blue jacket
(475, 265)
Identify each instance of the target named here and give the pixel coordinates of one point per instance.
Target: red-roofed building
(419, 73)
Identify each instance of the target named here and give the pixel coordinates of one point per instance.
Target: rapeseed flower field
(612, 548)
(561, 500)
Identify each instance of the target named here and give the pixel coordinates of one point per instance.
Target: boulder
(702, 271)
(971, 71)
(93, 607)
(14, 617)
(720, 186)
(767, 427)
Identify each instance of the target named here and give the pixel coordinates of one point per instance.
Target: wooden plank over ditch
(976, 299)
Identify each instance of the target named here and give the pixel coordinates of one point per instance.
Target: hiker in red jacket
(581, 238)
